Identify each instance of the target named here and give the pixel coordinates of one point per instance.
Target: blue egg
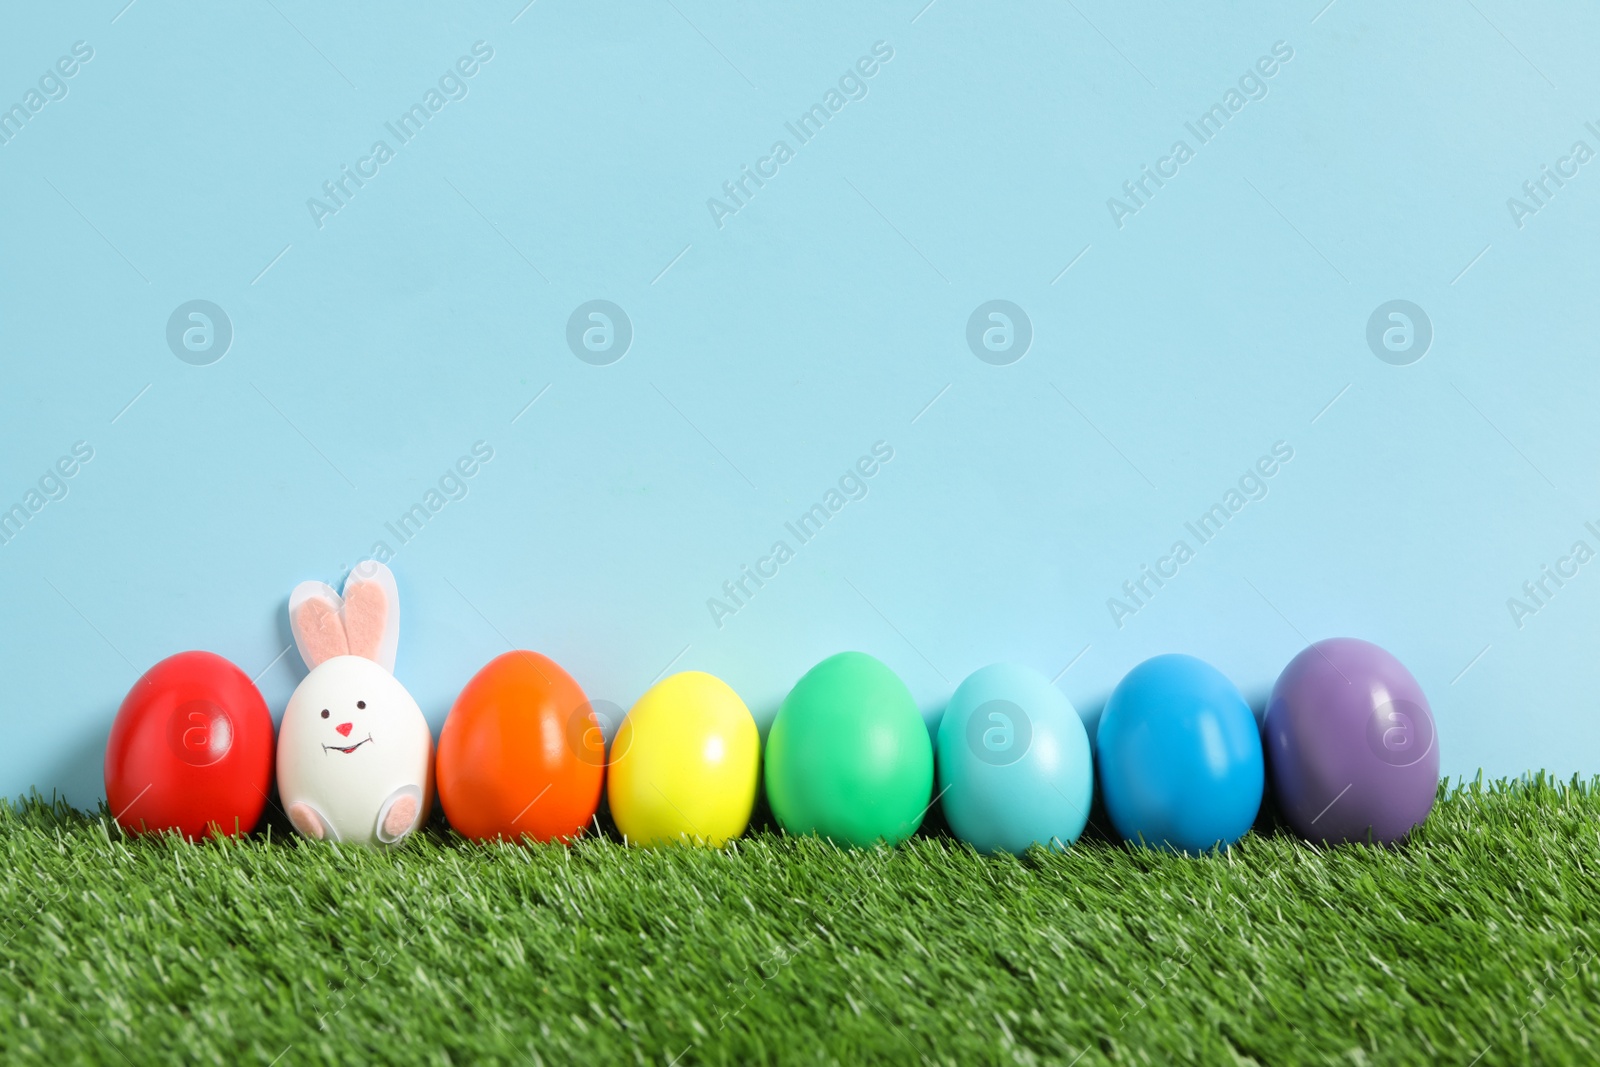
(1179, 756)
(1014, 762)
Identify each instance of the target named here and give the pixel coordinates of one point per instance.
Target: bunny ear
(364, 622)
(315, 621)
(372, 613)
(366, 610)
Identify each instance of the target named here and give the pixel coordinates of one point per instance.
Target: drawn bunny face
(355, 755)
(348, 710)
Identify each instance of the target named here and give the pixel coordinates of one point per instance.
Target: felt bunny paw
(398, 818)
(307, 821)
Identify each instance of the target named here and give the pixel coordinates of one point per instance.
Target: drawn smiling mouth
(338, 748)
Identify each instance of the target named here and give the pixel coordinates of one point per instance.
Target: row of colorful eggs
(1180, 758)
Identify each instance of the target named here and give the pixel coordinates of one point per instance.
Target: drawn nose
(344, 728)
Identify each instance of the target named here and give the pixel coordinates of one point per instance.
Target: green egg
(848, 756)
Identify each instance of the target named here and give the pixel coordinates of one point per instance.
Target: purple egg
(1352, 750)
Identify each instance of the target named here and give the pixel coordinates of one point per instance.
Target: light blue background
(770, 353)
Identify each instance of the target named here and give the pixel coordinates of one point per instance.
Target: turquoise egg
(1014, 762)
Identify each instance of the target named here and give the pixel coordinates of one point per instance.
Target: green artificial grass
(1475, 938)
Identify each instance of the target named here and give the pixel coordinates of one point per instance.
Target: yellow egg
(684, 764)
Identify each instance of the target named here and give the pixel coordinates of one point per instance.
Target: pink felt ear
(366, 610)
(322, 633)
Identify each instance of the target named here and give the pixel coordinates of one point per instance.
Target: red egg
(190, 750)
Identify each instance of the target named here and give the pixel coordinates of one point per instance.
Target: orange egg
(520, 753)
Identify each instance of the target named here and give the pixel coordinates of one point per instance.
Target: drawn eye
(361, 703)
(324, 713)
